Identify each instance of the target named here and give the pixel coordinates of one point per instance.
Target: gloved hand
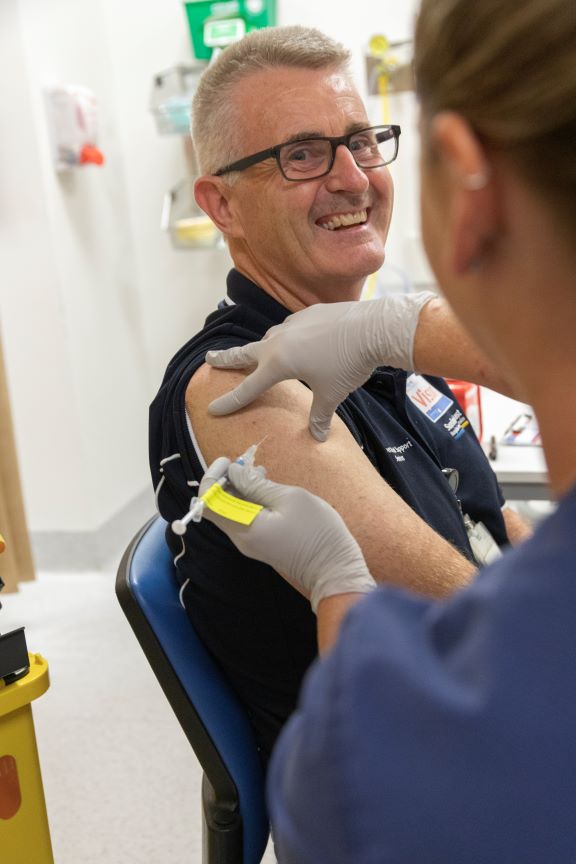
(332, 347)
(298, 534)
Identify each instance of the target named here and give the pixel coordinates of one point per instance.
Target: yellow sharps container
(24, 832)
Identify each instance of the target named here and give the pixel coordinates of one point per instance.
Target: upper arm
(398, 546)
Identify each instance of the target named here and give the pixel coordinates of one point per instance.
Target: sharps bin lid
(25, 690)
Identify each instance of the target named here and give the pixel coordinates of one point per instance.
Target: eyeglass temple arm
(247, 162)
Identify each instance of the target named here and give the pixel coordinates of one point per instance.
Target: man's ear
(213, 195)
(470, 187)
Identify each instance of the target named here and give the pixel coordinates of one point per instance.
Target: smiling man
(304, 241)
(295, 177)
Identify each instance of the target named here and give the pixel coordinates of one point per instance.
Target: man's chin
(364, 267)
(343, 283)
(363, 257)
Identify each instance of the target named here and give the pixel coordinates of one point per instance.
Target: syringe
(197, 504)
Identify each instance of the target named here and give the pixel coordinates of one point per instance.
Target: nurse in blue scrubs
(444, 732)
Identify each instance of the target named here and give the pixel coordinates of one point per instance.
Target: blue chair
(235, 823)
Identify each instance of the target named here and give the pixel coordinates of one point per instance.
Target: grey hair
(213, 109)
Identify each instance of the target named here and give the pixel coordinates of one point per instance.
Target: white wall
(93, 300)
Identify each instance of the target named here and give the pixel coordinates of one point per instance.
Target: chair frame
(234, 820)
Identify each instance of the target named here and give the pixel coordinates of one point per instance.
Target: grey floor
(121, 782)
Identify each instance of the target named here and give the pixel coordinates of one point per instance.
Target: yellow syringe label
(235, 509)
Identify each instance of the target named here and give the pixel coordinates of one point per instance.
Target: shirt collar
(240, 290)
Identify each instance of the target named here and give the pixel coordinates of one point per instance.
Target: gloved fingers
(238, 534)
(255, 487)
(214, 472)
(228, 526)
(276, 329)
(240, 357)
(321, 413)
(246, 392)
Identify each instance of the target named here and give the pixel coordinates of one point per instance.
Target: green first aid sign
(217, 24)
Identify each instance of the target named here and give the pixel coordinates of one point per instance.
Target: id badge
(484, 547)
(427, 398)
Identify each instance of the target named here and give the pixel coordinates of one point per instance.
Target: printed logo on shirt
(456, 424)
(427, 398)
(399, 451)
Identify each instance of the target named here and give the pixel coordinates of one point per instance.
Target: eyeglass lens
(371, 148)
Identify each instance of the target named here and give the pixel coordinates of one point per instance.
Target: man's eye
(365, 143)
(299, 155)
(304, 157)
(302, 154)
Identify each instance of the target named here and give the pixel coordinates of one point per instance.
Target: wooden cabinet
(16, 562)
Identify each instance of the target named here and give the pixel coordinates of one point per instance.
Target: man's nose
(345, 173)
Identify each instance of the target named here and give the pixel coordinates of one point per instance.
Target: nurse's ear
(469, 187)
(214, 195)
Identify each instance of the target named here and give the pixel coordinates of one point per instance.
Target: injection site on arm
(399, 547)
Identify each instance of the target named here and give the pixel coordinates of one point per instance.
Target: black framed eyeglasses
(310, 158)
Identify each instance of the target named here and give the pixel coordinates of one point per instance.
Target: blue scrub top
(442, 733)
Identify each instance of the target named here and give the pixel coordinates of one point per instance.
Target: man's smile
(342, 220)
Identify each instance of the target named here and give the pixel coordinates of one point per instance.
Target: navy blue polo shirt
(260, 630)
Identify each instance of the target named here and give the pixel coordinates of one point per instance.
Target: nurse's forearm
(442, 347)
(516, 528)
(329, 616)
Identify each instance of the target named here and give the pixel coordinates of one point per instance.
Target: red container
(468, 395)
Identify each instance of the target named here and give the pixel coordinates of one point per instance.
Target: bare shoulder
(208, 383)
(392, 537)
(278, 418)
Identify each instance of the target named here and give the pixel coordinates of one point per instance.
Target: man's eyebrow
(305, 135)
(357, 127)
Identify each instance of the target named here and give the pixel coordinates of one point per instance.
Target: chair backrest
(235, 820)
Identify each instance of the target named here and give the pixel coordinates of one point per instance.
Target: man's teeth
(345, 219)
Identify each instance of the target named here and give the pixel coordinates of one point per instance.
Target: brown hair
(214, 118)
(509, 67)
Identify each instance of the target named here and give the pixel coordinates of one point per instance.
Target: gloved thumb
(213, 473)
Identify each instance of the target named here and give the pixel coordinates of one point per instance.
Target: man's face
(282, 235)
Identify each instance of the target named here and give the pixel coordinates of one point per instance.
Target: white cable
(157, 492)
(181, 593)
(180, 554)
(195, 443)
(169, 459)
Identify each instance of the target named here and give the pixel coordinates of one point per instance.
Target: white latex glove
(332, 347)
(298, 534)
